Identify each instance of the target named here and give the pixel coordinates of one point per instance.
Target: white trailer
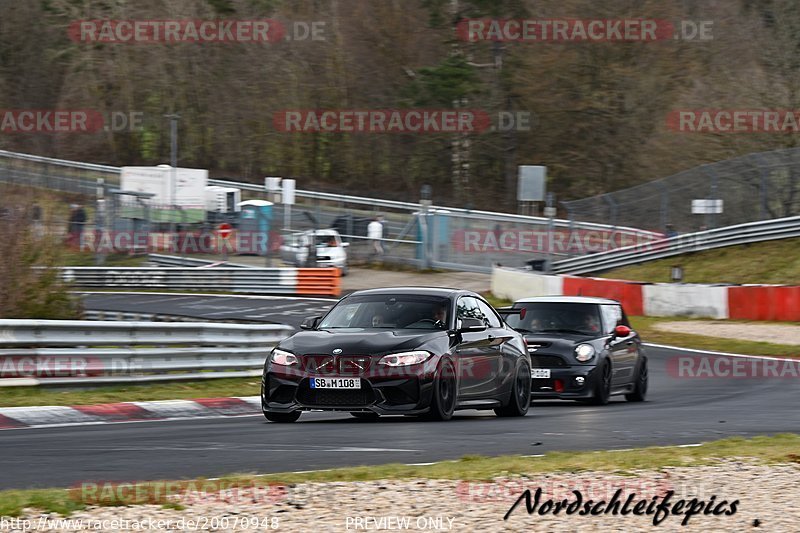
(183, 187)
(223, 199)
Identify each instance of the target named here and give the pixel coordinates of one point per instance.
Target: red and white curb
(55, 416)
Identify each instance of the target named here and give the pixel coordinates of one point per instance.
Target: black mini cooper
(581, 348)
(404, 351)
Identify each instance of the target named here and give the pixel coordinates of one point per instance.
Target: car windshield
(556, 317)
(389, 311)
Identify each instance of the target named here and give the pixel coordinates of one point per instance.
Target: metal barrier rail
(780, 228)
(298, 281)
(40, 352)
(176, 261)
(126, 316)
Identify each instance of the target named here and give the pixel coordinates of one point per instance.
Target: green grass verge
(177, 390)
(746, 263)
(645, 327)
(765, 450)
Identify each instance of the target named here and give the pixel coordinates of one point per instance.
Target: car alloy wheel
(520, 399)
(443, 403)
(602, 390)
(640, 387)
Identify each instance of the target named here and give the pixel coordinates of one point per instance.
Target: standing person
(77, 220)
(36, 221)
(375, 234)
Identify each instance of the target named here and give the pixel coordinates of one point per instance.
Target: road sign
(531, 183)
(707, 206)
(224, 230)
(288, 191)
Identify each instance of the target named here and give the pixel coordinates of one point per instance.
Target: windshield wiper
(523, 330)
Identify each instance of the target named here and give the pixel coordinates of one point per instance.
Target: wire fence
(753, 187)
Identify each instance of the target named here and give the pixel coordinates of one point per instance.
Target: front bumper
(566, 383)
(386, 395)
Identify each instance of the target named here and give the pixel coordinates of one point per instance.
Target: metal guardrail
(176, 261)
(300, 281)
(72, 352)
(780, 228)
(126, 316)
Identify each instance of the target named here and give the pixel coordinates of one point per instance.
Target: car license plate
(540, 373)
(335, 383)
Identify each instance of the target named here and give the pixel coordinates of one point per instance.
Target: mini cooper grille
(535, 345)
(335, 397)
(547, 361)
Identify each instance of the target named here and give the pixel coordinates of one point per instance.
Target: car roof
(425, 291)
(323, 232)
(567, 300)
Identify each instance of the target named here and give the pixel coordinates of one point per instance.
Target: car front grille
(336, 365)
(548, 361)
(335, 397)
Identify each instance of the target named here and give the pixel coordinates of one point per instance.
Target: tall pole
(173, 134)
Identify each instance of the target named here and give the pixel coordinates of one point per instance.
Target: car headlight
(405, 358)
(283, 358)
(584, 352)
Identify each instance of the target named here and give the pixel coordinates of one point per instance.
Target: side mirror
(622, 331)
(310, 322)
(471, 324)
(345, 244)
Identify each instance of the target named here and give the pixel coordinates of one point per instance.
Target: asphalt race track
(679, 411)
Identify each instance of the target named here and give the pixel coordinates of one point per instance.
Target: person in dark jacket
(77, 221)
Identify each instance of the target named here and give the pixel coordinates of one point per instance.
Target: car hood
(560, 340)
(358, 341)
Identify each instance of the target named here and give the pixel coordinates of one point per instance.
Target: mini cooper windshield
(551, 317)
(389, 311)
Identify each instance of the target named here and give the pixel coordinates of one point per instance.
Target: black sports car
(581, 348)
(405, 351)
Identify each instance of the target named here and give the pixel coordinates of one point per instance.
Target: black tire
(520, 398)
(639, 392)
(602, 387)
(365, 416)
(282, 418)
(445, 392)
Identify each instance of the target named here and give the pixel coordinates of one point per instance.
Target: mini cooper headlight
(283, 358)
(584, 352)
(405, 358)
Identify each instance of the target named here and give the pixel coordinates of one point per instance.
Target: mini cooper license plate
(335, 383)
(540, 373)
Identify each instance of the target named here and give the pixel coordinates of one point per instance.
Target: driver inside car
(440, 317)
(438, 320)
(590, 323)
